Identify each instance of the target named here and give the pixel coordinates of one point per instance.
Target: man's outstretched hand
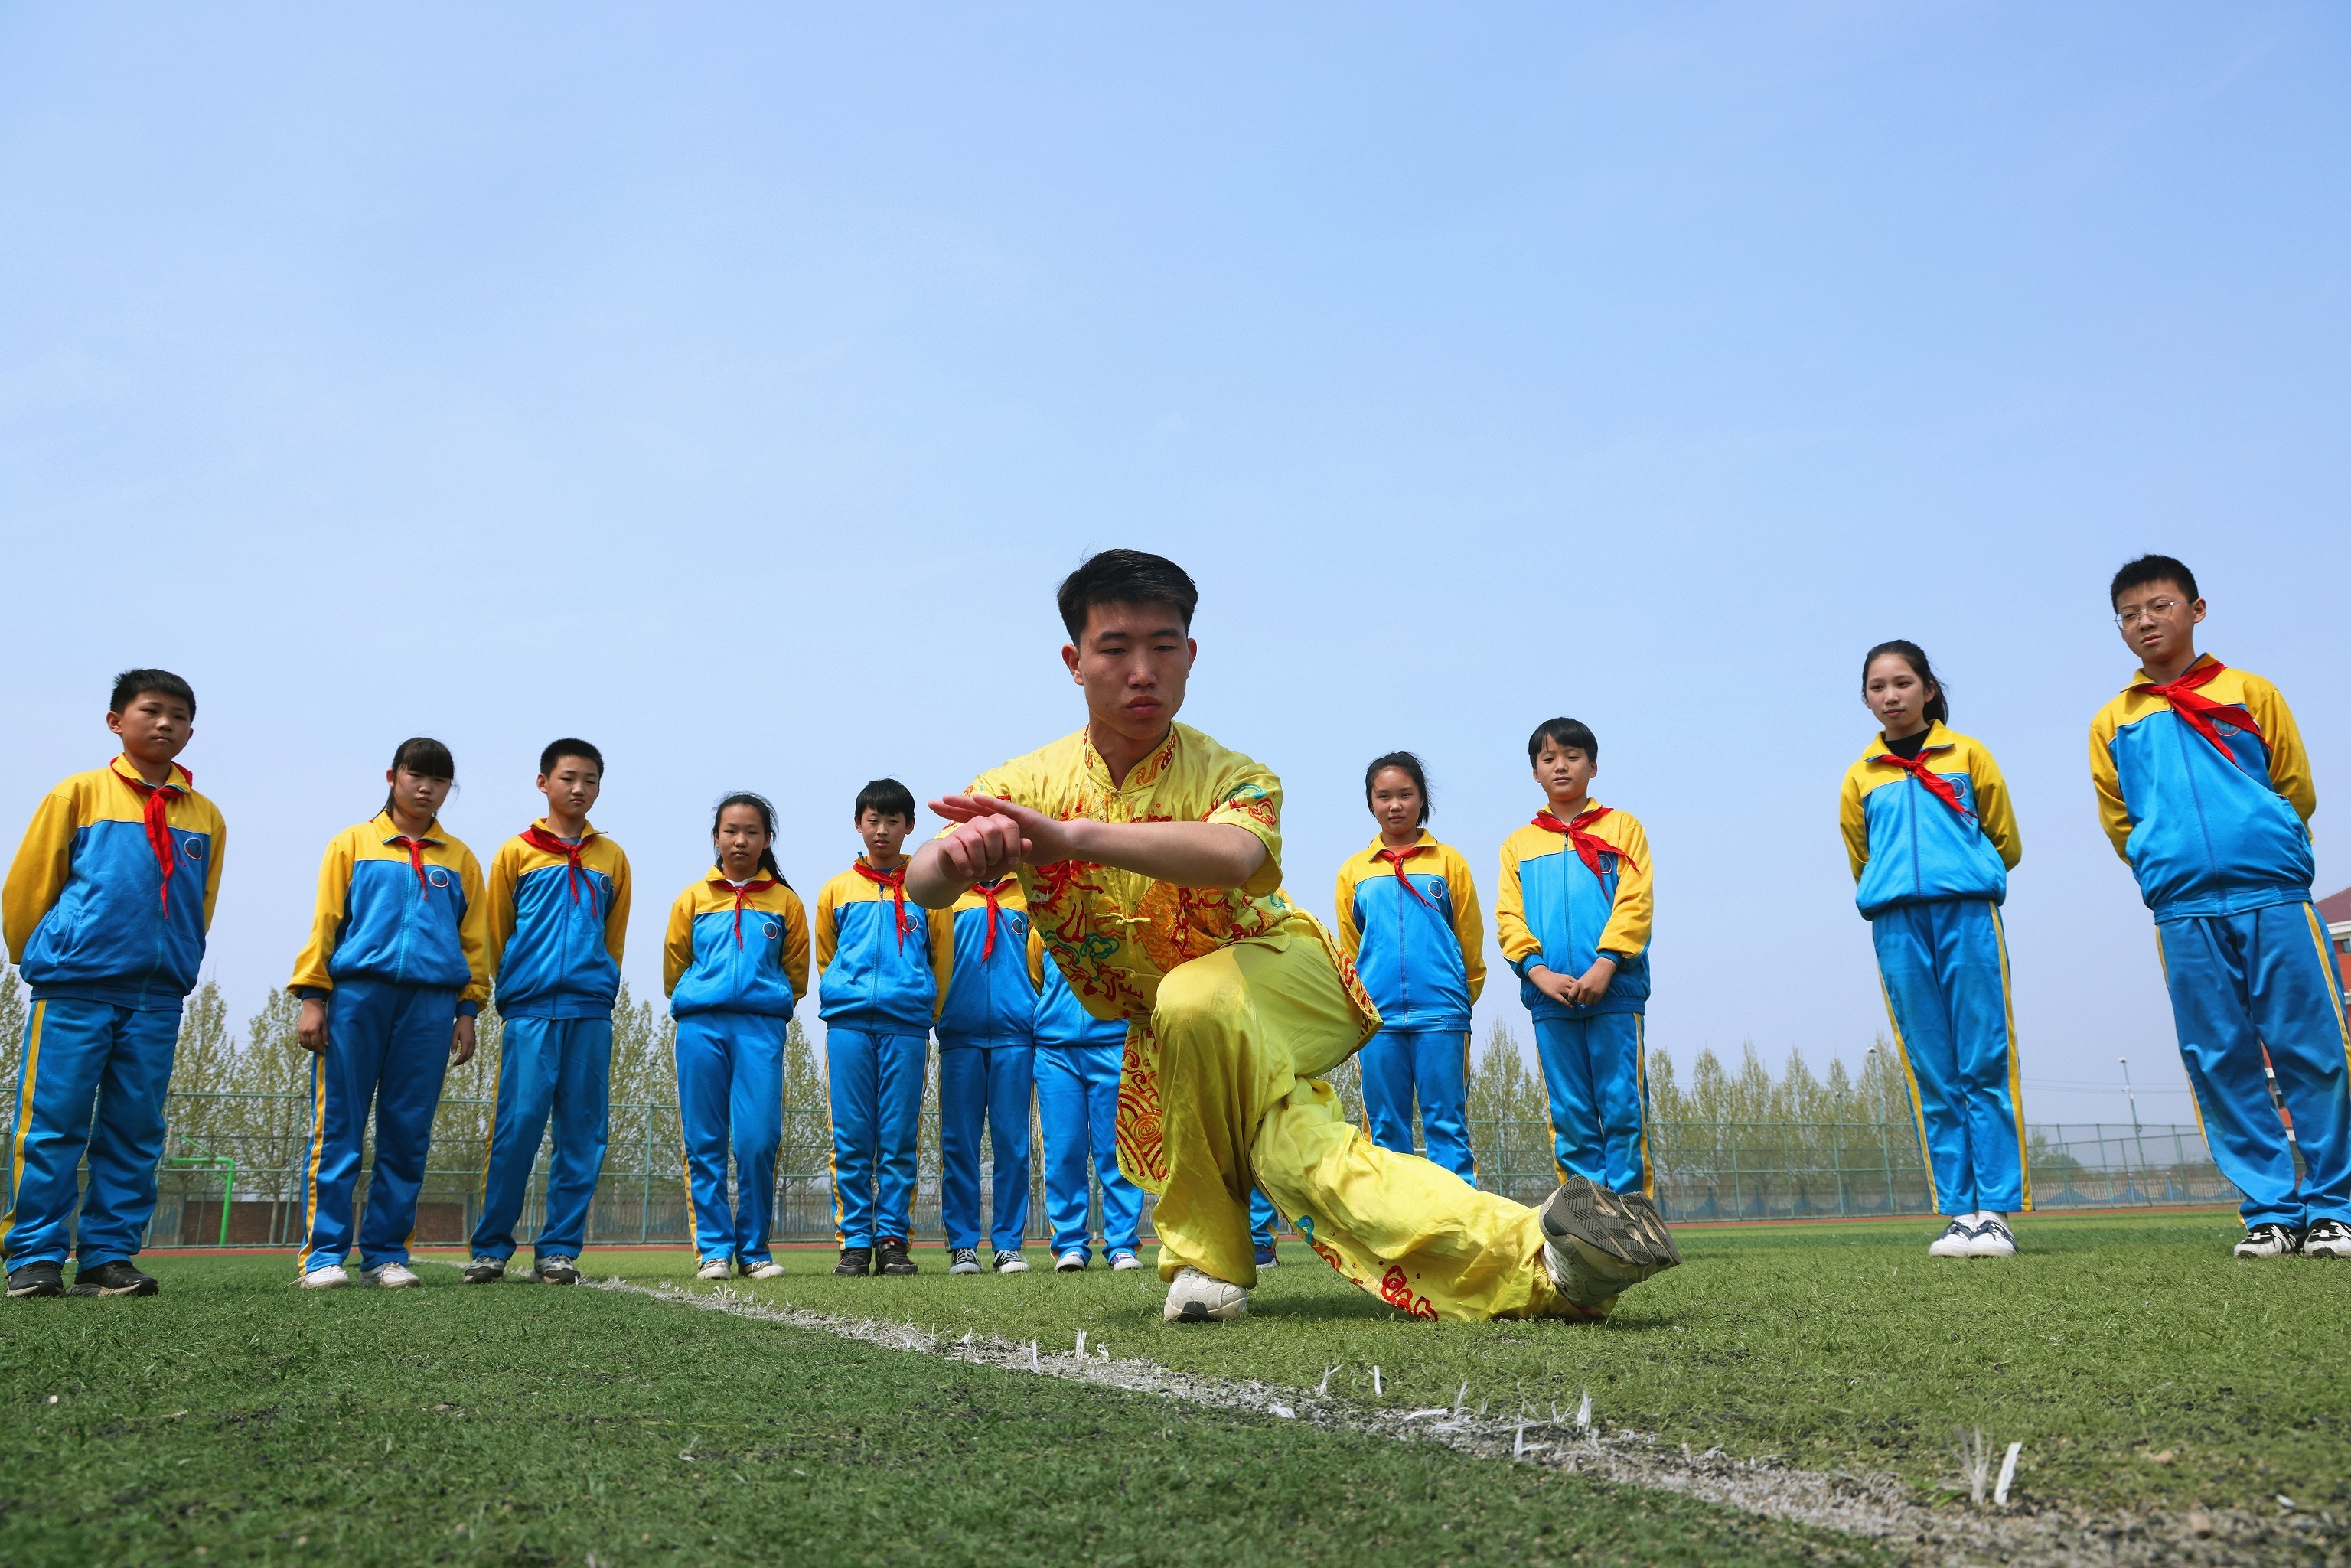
(990, 838)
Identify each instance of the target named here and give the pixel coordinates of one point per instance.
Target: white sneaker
(326, 1279)
(1993, 1239)
(963, 1260)
(1074, 1262)
(771, 1269)
(1197, 1298)
(1011, 1262)
(391, 1277)
(2326, 1238)
(1122, 1261)
(2271, 1240)
(715, 1269)
(1957, 1241)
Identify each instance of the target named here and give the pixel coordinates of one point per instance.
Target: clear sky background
(732, 386)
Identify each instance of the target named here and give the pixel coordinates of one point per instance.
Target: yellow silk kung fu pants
(1240, 1035)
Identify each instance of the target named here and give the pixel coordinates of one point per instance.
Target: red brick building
(2335, 910)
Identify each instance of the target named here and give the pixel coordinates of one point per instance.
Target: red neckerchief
(1395, 859)
(415, 847)
(2197, 711)
(743, 895)
(1588, 847)
(896, 881)
(539, 838)
(994, 893)
(1937, 786)
(158, 813)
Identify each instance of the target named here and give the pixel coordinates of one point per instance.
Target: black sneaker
(2269, 1241)
(484, 1272)
(856, 1262)
(36, 1280)
(558, 1271)
(893, 1258)
(119, 1278)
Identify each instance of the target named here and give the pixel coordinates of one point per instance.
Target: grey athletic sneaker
(558, 1271)
(484, 1270)
(1597, 1243)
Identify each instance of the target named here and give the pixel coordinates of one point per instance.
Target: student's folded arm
(616, 919)
(1343, 902)
(310, 975)
(796, 944)
(2289, 760)
(1626, 935)
(474, 936)
(1853, 820)
(1520, 948)
(2114, 812)
(1469, 926)
(1995, 808)
(37, 878)
(677, 943)
(213, 871)
(505, 872)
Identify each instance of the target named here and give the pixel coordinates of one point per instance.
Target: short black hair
(2148, 569)
(887, 797)
(1125, 577)
(1563, 733)
(1406, 763)
(569, 745)
(131, 685)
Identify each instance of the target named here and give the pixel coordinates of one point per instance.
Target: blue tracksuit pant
(562, 1066)
(1263, 1217)
(1077, 1110)
(387, 1046)
(990, 1084)
(730, 1091)
(1435, 1065)
(876, 1089)
(94, 1077)
(2239, 982)
(1944, 966)
(1598, 1087)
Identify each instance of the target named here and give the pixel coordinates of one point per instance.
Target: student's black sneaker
(2269, 1241)
(856, 1262)
(893, 1258)
(2326, 1238)
(558, 1271)
(484, 1272)
(119, 1278)
(36, 1280)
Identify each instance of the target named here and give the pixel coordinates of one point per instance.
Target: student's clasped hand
(992, 838)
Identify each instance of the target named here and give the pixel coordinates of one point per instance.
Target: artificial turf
(2134, 1359)
(236, 1419)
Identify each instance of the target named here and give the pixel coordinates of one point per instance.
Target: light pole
(2136, 1135)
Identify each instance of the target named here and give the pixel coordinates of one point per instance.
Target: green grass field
(236, 1419)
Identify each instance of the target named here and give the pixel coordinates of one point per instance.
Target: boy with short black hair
(106, 911)
(1573, 918)
(559, 918)
(2205, 789)
(881, 966)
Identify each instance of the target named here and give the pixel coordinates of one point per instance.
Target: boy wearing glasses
(2204, 787)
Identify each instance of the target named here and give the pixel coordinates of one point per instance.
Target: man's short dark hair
(887, 797)
(2151, 568)
(1125, 577)
(1565, 734)
(569, 745)
(132, 684)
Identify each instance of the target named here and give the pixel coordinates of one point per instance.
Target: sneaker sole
(1198, 1311)
(1625, 1226)
(28, 1293)
(144, 1288)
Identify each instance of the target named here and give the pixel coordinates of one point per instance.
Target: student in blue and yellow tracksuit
(1408, 917)
(2205, 789)
(880, 961)
(1573, 914)
(396, 968)
(988, 1013)
(559, 912)
(1932, 839)
(734, 965)
(106, 909)
(1078, 1058)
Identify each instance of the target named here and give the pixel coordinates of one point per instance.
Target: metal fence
(234, 1169)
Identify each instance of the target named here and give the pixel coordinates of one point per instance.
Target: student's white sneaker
(2326, 1238)
(326, 1279)
(963, 1260)
(1958, 1241)
(1074, 1262)
(1011, 1262)
(1993, 1238)
(715, 1269)
(771, 1269)
(1122, 1261)
(2269, 1241)
(391, 1277)
(1197, 1298)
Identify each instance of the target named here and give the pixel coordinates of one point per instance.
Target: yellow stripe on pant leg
(2015, 1068)
(2334, 980)
(318, 1150)
(1918, 1108)
(24, 1121)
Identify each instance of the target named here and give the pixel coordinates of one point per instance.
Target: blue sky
(731, 385)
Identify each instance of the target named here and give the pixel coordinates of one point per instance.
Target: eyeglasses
(2134, 614)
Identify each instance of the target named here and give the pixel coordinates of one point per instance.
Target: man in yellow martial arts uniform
(1151, 858)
